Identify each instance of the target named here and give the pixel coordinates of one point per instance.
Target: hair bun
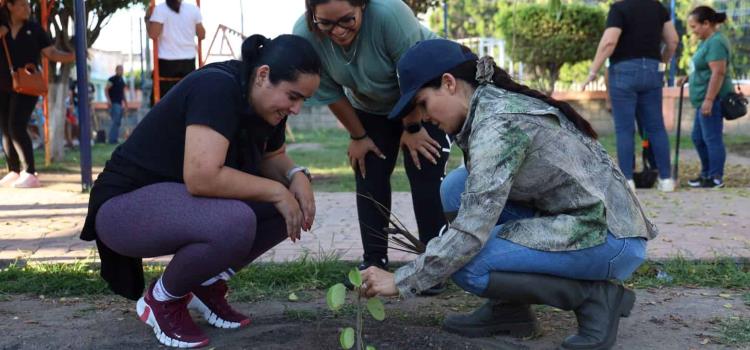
(720, 17)
(253, 46)
(485, 70)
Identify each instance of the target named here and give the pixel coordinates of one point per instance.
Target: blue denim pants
(635, 88)
(614, 259)
(114, 130)
(709, 141)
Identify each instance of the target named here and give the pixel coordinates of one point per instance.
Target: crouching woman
(540, 213)
(205, 177)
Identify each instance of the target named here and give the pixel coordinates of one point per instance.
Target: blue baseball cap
(420, 64)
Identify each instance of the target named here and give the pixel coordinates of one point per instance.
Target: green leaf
(376, 308)
(370, 347)
(293, 297)
(347, 338)
(355, 277)
(336, 296)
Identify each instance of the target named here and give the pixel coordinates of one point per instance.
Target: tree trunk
(58, 92)
(554, 75)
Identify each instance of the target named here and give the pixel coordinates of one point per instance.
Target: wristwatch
(413, 128)
(296, 169)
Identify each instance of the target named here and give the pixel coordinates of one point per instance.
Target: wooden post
(200, 42)
(45, 72)
(156, 78)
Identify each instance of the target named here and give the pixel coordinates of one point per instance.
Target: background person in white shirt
(173, 25)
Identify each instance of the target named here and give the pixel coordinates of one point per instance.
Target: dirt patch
(742, 148)
(674, 318)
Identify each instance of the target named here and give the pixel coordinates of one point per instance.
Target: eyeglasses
(346, 22)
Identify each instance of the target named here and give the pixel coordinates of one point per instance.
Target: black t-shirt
(641, 22)
(25, 48)
(154, 152)
(117, 90)
(212, 97)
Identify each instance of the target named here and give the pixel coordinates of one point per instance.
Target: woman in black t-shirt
(205, 177)
(632, 41)
(25, 40)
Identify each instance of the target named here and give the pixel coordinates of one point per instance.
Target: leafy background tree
(483, 18)
(60, 24)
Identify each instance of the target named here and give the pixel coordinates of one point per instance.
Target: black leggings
(425, 184)
(15, 113)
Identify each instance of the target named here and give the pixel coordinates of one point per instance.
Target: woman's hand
(302, 191)
(3, 30)
(681, 80)
(289, 208)
(420, 143)
(378, 282)
(358, 149)
(591, 77)
(706, 108)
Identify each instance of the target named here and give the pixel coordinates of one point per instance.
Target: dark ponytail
(467, 72)
(287, 55)
(174, 5)
(706, 13)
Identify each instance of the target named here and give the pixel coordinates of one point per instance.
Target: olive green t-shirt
(366, 72)
(715, 48)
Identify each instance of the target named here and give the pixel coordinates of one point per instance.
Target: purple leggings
(206, 235)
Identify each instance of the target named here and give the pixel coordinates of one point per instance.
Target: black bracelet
(364, 136)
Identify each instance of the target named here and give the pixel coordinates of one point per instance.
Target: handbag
(647, 177)
(27, 80)
(734, 104)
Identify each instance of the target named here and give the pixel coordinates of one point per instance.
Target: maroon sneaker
(171, 321)
(211, 302)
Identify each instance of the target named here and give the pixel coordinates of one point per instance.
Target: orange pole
(200, 42)
(156, 85)
(45, 74)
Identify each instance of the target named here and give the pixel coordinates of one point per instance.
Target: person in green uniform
(360, 42)
(709, 83)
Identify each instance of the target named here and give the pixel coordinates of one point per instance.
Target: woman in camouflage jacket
(540, 212)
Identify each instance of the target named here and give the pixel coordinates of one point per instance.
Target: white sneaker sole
(145, 315)
(212, 319)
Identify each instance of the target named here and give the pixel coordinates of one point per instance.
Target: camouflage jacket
(522, 149)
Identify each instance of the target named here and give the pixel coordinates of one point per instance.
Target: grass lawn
(328, 161)
(277, 280)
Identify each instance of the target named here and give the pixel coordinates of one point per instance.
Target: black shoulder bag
(734, 104)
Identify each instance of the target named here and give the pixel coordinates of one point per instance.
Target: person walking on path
(173, 25)
(24, 41)
(359, 42)
(544, 215)
(117, 102)
(632, 42)
(709, 83)
(205, 177)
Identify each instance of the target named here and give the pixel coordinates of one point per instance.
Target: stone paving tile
(43, 224)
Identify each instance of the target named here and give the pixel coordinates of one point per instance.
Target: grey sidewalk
(43, 224)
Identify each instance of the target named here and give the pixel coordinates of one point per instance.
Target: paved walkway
(43, 224)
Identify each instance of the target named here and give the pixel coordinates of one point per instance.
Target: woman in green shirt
(359, 43)
(709, 82)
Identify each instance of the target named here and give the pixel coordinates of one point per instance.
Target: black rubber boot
(494, 317)
(598, 305)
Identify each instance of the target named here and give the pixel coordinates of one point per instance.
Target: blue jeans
(114, 130)
(613, 259)
(635, 88)
(709, 141)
